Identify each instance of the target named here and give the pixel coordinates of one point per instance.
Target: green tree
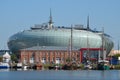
(14, 57)
(117, 55)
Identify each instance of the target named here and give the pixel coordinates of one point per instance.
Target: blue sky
(18, 15)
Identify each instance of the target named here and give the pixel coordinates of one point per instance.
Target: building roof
(49, 48)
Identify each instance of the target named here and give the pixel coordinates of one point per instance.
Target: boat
(4, 65)
(19, 65)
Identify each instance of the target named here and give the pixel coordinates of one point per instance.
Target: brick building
(45, 54)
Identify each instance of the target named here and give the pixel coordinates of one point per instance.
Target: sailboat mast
(88, 54)
(71, 42)
(103, 44)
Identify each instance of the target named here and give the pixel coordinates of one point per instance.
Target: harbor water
(61, 75)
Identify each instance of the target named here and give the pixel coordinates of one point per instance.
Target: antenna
(50, 21)
(88, 22)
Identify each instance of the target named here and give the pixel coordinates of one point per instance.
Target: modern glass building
(60, 36)
(49, 35)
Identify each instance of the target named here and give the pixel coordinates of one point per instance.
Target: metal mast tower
(88, 52)
(103, 45)
(50, 21)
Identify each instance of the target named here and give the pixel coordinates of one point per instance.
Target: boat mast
(88, 52)
(103, 44)
(71, 42)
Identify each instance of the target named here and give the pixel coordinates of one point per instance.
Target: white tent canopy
(6, 55)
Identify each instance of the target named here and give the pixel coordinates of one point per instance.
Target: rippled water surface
(61, 75)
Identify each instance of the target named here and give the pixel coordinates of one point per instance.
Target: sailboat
(103, 63)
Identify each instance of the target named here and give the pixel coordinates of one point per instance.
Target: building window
(57, 61)
(43, 60)
(32, 58)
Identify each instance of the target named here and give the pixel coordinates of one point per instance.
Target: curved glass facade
(58, 37)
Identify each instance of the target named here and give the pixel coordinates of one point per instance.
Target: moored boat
(4, 65)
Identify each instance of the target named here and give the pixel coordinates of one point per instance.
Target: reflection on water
(60, 75)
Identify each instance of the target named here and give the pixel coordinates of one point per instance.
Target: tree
(14, 57)
(116, 55)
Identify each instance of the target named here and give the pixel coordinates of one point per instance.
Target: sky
(19, 15)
